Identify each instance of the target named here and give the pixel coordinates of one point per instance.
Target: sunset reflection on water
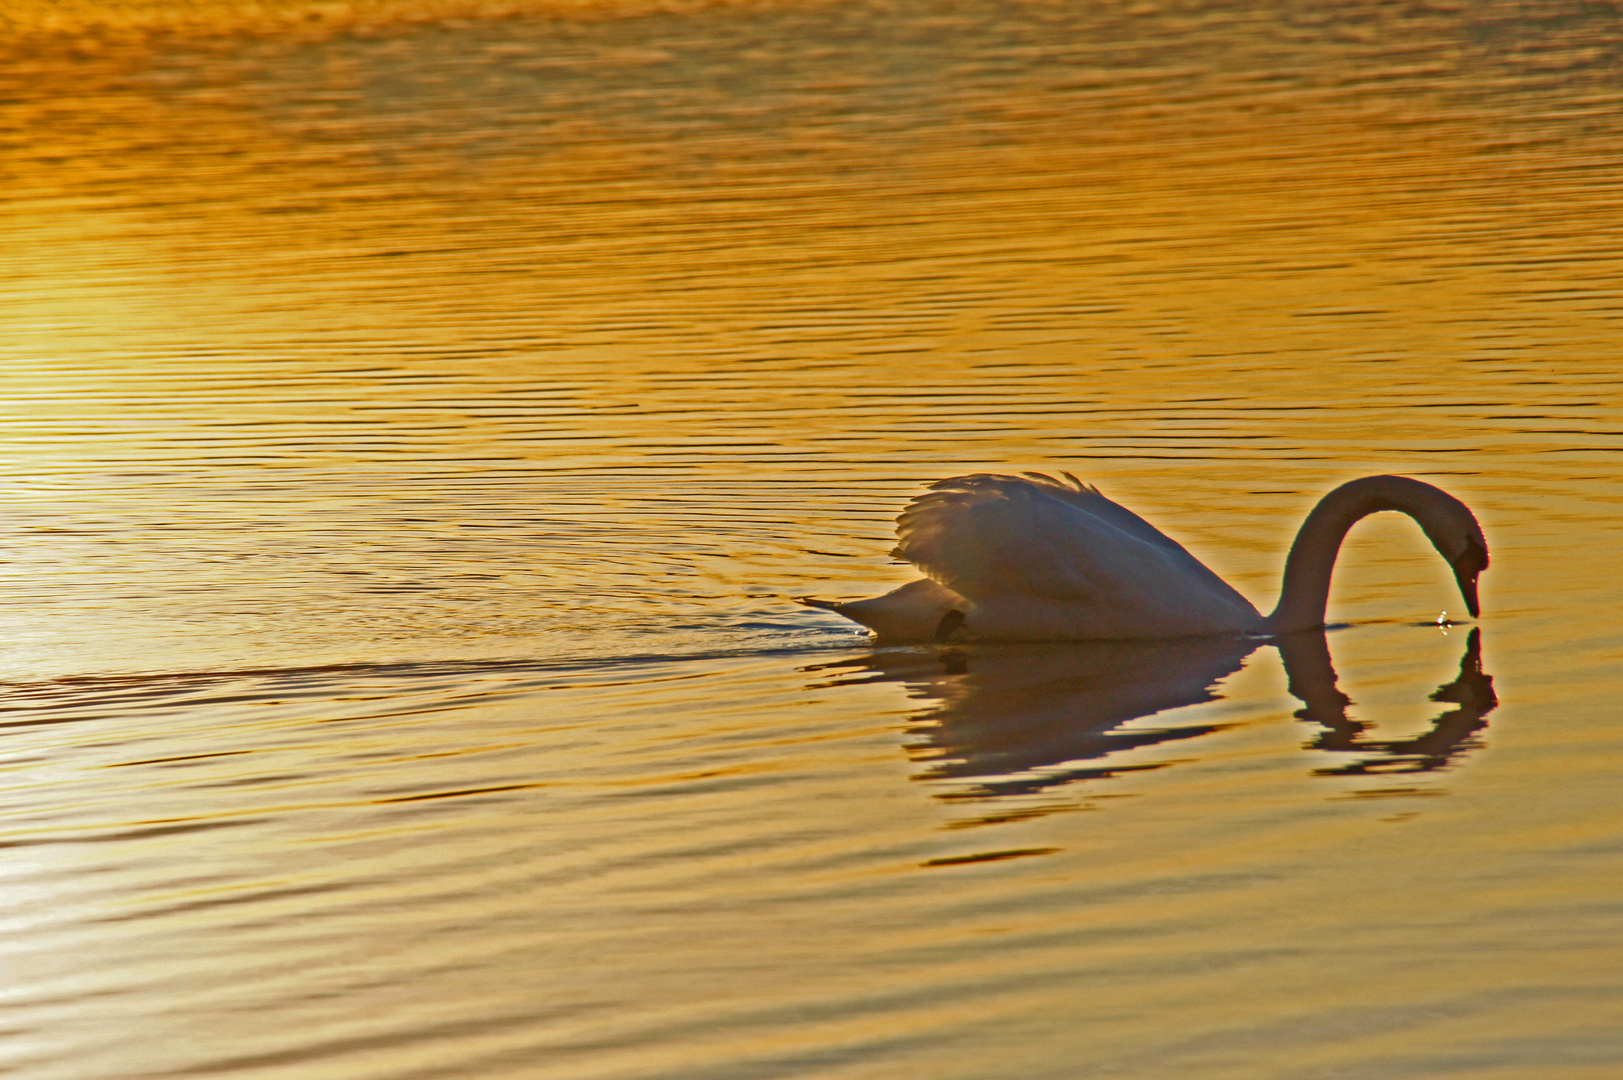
(417, 422)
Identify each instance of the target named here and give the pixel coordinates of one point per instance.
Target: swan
(1032, 558)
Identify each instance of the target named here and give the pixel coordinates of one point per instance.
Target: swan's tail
(812, 601)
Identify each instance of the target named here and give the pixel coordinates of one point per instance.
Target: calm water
(414, 436)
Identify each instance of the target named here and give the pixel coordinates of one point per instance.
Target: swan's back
(1040, 558)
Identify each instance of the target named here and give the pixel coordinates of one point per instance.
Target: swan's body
(1031, 558)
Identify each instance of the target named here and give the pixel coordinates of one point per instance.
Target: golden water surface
(419, 417)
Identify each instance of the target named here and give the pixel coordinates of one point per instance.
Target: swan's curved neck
(1306, 589)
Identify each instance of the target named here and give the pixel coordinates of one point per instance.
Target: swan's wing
(987, 535)
(1087, 497)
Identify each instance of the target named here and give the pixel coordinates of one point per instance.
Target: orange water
(415, 432)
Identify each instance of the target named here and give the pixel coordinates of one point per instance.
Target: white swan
(1031, 558)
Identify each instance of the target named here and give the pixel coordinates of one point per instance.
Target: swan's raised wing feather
(986, 536)
(1087, 497)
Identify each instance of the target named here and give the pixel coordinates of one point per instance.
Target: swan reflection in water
(1023, 719)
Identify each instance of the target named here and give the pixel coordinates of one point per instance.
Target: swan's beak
(1467, 565)
(1467, 589)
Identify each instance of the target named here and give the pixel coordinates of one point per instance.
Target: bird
(1035, 558)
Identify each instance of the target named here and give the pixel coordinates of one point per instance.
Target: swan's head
(1454, 532)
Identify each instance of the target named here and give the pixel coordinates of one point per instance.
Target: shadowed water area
(416, 432)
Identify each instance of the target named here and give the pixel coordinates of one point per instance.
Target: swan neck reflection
(1312, 679)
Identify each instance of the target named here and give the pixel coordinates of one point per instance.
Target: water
(416, 432)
